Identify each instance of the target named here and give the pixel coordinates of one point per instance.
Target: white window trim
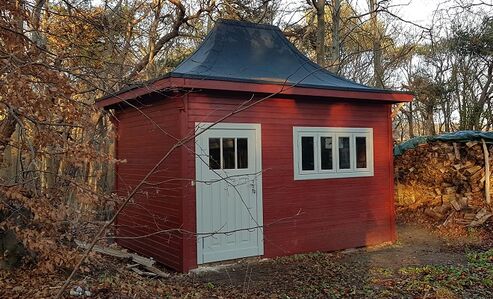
(335, 133)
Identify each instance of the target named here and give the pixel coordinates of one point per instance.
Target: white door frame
(199, 128)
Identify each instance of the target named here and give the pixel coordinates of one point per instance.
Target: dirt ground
(351, 273)
(421, 264)
(414, 248)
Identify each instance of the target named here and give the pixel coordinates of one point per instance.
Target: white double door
(229, 192)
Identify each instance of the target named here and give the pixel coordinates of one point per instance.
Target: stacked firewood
(446, 181)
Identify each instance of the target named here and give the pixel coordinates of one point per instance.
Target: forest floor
(423, 263)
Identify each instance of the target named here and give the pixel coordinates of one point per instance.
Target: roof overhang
(171, 83)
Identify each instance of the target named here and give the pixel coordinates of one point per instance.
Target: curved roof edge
(236, 53)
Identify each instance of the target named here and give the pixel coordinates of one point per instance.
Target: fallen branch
(147, 263)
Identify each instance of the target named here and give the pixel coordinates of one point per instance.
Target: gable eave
(186, 84)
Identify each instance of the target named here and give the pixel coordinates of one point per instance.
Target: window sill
(340, 175)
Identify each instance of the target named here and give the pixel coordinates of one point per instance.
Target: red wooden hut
(300, 161)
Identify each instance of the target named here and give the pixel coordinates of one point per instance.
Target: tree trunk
(36, 21)
(486, 92)
(377, 47)
(320, 9)
(429, 121)
(7, 128)
(156, 6)
(336, 41)
(410, 119)
(447, 115)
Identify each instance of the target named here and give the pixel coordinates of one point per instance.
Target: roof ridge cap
(247, 24)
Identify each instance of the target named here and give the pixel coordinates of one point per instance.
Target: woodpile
(446, 181)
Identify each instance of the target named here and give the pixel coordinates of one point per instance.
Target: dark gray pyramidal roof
(247, 52)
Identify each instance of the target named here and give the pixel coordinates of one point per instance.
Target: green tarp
(460, 136)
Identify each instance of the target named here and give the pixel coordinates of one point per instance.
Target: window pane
(326, 152)
(360, 152)
(242, 144)
(214, 153)
(307, 156)
(228, 153)
(344, 157)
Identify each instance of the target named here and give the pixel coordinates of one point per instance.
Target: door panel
(229, 202)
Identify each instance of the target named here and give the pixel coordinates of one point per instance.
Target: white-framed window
(328, 152)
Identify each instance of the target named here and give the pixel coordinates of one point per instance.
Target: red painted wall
(157, 206)
(336, 213)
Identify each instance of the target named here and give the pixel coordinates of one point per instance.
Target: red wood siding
(336, 213)
(142, 143)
